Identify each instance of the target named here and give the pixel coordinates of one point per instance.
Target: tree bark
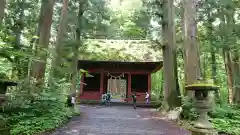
(2, 8)
(191, 50)
(229, 41)
(76, 46)
(19, 26)
(236, 92)
(229, 71)
(57, 58)
(44, 27)
(171, 94)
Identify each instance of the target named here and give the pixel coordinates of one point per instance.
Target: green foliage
(157, 86)
(226, 119)
(44, 113)
(189, 112)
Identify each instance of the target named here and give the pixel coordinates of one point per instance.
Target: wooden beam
(82, 84)
(129, 85)
(101, 82)
(149, 83)
(99, 70)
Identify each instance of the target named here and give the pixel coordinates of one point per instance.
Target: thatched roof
(142, 50)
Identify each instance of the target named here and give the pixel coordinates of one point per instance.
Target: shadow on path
(118, 120)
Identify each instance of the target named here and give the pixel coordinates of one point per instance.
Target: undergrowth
(41, 115)
(225, 118)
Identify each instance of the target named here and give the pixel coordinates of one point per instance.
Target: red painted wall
(140, 96)
(90, 95)
(96, 95)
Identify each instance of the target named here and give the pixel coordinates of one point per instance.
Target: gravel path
(118, 120)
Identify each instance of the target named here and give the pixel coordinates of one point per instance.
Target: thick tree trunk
(2, 8)
(229, 41)
(19, 26)
(56, 62)
(229, 71)
(236, 92)
(45, 22)
(76, 47)
(171, 94)
(191, 50)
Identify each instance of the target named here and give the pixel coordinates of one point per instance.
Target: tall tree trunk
(233, 55)
(229, 70)
(19, 26)
(44, 27)
(229, 41)
(171, 94)
(191, 50)
(76, 46)
(236, 92)
(57, 58)
(212, 48)
(2, 8)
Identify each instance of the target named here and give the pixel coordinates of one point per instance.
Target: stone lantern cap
(8, 83)
(202, 87)
(4, 84)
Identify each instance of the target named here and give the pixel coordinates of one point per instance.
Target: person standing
(104, 96)
(69, 101)
(134, 99)
(147, 97)
(73, 101)
(108, 98)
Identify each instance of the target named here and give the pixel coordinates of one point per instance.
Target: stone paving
(118, 120)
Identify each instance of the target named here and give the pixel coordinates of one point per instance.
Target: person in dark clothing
(134, 99)
(71, 100)
(108, 98)
(69, 103)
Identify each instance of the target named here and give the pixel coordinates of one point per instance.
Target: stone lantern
(203, 105)
(3, 88)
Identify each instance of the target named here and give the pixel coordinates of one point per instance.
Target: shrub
(226, 119)
(189, 112)
(41, 115)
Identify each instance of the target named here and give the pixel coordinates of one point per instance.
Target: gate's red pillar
(129, 86)
(149, 84)
(81, 84)
(101, 83)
